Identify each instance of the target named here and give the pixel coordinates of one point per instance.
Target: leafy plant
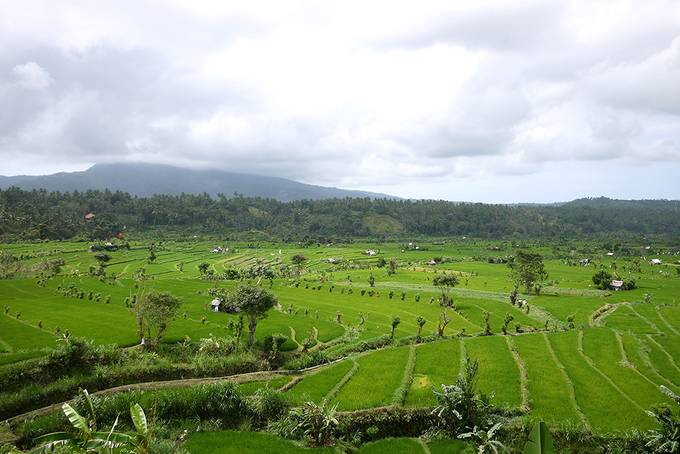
(313, 422)
(485, 440)
(666, 439)
(85, 437)
(540, 440)
(461, 408)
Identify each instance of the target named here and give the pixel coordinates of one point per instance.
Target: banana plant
(485, 440)
(141, 440)
(85, 438)
(540, 440)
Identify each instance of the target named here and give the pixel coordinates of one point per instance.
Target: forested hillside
(40, 214)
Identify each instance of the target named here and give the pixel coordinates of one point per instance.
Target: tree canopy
(251, 300)
(527, 269)
(38, 214)
(154, 312)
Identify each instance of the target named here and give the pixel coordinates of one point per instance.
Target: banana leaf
(540, 440)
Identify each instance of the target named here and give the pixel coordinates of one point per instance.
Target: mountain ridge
(144, 180)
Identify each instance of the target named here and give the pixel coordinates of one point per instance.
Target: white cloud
(344, 93)
(32, 76)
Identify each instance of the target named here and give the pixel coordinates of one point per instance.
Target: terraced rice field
(602, 372)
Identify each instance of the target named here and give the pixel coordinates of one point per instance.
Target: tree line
(39, 214)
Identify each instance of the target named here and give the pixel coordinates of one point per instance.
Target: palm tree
(395, 322)
(420, 320)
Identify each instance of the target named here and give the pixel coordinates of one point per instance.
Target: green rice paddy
(603, 372)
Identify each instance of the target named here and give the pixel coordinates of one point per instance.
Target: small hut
(215, 305)
(616, 285)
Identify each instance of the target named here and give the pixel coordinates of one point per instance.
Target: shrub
(461, 408)
(268, 404)
(315, 423)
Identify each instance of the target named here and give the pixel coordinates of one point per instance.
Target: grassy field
(603, 370)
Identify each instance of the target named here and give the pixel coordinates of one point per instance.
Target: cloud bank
(423, 99)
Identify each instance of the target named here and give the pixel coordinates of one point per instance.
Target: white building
(215, 305)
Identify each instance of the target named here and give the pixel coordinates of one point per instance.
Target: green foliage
(527, 269)
(485, 440)
(445, 282)
(268, 404)
(602, 279)
(666, 439)
(154, 313)
(395, 322)
(56, 215)
(251, 300)
(540, 440)
(314, 423)
(460, 408)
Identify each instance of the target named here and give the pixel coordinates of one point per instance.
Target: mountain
(148, 179)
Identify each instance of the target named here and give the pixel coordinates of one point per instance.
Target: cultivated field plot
(571, 355)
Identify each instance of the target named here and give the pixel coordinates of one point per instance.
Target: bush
(602, 279)
(461, 408)
(268, 404)
(138, 367)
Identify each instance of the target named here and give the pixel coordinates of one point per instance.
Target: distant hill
(30, 215)
(148, 179)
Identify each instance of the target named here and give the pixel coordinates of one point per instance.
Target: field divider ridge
(343, 381)
(570, 384)
(645, 319)
(400, 393)
(663, 319)
(648, 362)
(523, 379)
(592, 364)
(670, 357)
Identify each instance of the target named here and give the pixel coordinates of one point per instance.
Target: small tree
(527, 269)
(254, 302)
(395, 322)
(102, 257)
(203, 268)
(298, 261)
(445, 282)
(239, 329)
(506, 321)
(420, 320)
(371, 280)
(513, 296)
(154, 312)
(487, 325)
(443, 321)
(602, 279)
(392, 269)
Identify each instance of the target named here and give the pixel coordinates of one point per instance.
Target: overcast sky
(502, 101)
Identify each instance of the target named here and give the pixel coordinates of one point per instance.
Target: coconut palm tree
(420, 320)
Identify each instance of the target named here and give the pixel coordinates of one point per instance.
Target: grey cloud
(534, 92)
